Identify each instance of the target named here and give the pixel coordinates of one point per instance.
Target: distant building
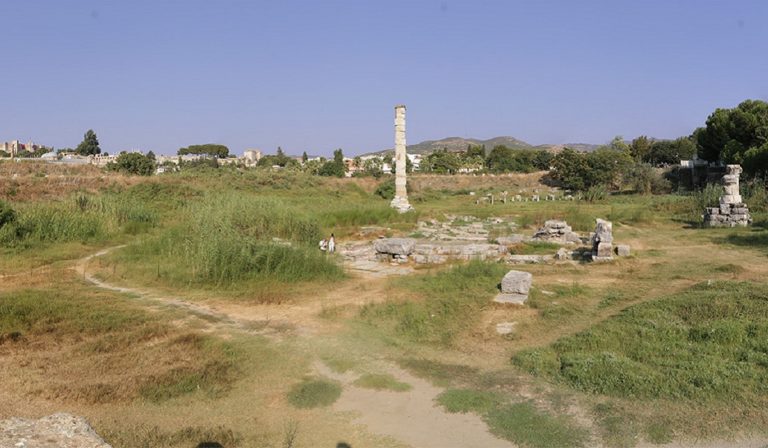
(15, 148)
(251, 157)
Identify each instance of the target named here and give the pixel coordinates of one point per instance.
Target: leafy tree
(211, 149)
(373, 167)
(151, 156)
(134, 163)
(582, 171)
(279, 159)
(501, 159)
(335, 167)
(304, 157)
(670, 152)
(640, 148)
(475, 151)
(90, 144)
(756, 161)
(542, 160)
(618, 144)
(442, 162)
(730, 133)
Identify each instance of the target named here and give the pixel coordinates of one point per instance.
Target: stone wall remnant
(515, 287)
(602, 241)
(556, 231)
(732, 212)
(400, 201)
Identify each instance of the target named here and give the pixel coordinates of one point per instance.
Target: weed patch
(381, 382)
(453, 300)
(468, 400)
(703, 344)
(313, 393)
(527, 426)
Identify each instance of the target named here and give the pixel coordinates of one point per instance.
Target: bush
(7, 214)
(386, 189)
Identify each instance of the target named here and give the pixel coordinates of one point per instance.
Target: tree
(335, 167)
(211, 149)
(90, 144)
(475, 151)
(670, 152)
(151, 156)
(730, 133)
(581, 171)
(134, 163)
(640, 148)
(441, 162)
(543, 159)
(304, 157)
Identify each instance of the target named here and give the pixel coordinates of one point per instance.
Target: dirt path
(212, 316)
(412, 416)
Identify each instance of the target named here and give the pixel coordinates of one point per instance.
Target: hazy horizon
(315, 76)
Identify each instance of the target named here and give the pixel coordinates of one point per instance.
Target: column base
(401, 204)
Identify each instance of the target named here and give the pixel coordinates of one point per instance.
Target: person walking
(332, 244)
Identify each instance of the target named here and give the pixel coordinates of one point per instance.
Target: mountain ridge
(458, 144)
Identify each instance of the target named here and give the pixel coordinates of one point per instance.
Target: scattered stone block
(556, 231)
(563, 254)
(515, 287)
(504, 328)
(395, 246)
(622, 250)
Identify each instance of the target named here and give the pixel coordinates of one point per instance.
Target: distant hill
(458, 144)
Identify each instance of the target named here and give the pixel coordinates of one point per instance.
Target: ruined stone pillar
(400, 202)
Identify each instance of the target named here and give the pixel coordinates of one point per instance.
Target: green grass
(527, 426)
(707, 343)
(534, 248)
(83, 218)
(381, 382)
(313, 393)
(452, 301)
(468, 400)
(229, 238)
(34, 312)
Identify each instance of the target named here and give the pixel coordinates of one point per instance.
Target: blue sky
(318, 75)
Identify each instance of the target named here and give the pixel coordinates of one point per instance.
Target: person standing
(332, 244)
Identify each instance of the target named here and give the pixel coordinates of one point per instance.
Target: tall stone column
(400, 202)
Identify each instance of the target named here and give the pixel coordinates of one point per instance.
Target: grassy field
(666, 345)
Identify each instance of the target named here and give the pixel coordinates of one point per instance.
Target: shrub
(386, 189)
(7, 214)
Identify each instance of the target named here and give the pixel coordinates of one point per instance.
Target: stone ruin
(602, 241)
(732, 212)
(515, 287)
(469, 238)
(556, 231)
(54, 431)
